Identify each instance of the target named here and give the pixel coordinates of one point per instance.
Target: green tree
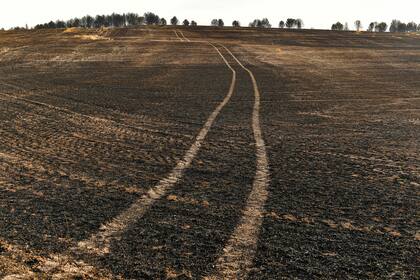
(381, 27)
(290, 23)
(60, 24)
(372, 27)
(337, 26)
(281, 24)
(411, 26)
(256, 23)
(265, 23)
(163, 21)
(132, 19)
(99, 21)
(151, 18)
(236, 23)
(174, 21)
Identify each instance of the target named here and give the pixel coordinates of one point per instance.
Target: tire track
(178, 37)
(99, 242)
(237, 259)
(188, 40)
(238, 254)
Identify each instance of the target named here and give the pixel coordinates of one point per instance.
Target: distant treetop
(294, 23)
(174, 21)
(236, 23)
(217, 22)
(260, 23)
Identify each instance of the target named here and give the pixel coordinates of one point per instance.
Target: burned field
(135, 154)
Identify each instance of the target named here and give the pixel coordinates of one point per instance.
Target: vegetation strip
(99, 242)
(239, 251)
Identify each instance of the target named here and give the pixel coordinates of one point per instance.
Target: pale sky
(315, 14)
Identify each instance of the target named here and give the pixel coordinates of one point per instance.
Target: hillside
(149, 153)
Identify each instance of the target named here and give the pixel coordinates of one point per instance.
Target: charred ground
(90, 120)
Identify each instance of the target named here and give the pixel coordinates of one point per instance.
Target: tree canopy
(281, 24)
(236, 23)
(260, 23)
(217, 22)
(337, 26)
(174, 21)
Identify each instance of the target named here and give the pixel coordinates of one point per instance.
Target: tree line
(262, 23)
(395, 26)
(149, 18)
(133, 19)
(114, 20)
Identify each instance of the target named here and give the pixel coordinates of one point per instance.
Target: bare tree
(358, 25)
(299, 23)
(346, 27)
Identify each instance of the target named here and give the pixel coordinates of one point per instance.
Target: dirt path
(240, 250)
(99, 243)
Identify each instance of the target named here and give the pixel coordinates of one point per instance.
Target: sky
(315, 14)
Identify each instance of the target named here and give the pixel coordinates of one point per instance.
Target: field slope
(207, 153)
